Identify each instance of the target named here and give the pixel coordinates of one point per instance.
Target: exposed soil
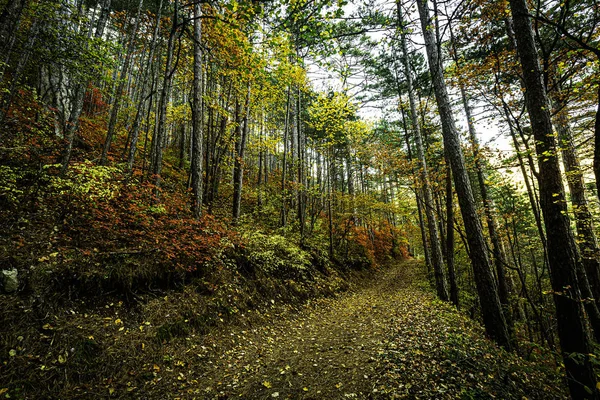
(329, 350)
(388, 339)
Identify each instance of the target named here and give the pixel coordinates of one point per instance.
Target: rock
(10, 280)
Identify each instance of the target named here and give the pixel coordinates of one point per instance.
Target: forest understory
(385, 337)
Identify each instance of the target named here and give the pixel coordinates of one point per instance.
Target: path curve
(328, 351)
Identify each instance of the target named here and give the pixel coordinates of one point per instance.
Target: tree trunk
(197, 117)
(301, 174)
(329, 200)
(240, 148)
(284, 161)
(436, 247)
(562, 249)
(450, 236)
(588, 244)
(114, 112)
(156, 154)
(77, 101)
(10, 19)
(597, 147)
(493, 316)
(418, 197)
(147, 86)
(261, 156)
(497, 251)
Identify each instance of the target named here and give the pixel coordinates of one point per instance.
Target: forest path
(327, 351)
(387, 339)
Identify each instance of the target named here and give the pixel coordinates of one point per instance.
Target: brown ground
(328, 351)
(389, 339)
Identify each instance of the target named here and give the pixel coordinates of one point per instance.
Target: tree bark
(597, 146)
(284, 161)
(497, 251)
(77, 102)
(589, 276)
(114, 112)
(156, 154)
(147, 85)
(436, 247)
(562, 249)
(197, 117)
(418, 198)
(450, 236)
(240, 148)
(493, 316)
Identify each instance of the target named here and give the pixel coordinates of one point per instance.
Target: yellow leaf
(118, 321)
(3, 390)
(62, 359)
(305, 389)
(267, 384)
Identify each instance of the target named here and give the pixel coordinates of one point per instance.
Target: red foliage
(133, 222)
(377, 242)
(93, 103)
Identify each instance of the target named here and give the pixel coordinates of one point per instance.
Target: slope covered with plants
(170, 167)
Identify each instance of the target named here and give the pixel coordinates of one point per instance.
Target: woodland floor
(388, 339)
(385, 338)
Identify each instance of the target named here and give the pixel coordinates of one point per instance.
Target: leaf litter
(385, 340)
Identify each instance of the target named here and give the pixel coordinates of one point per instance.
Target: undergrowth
(113, 272)
(113, 269)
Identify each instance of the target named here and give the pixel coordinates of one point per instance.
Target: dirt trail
(389, 339)
(327, 351)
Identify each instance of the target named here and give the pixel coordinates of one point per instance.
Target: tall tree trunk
(197, 117)
(436, 247)
(597, 146)
(261, 157)
(240, 148)
(7, 99)
(588, 243)
(418, 197)
(493, 316)
(497, 250)
(77, 102)
(114, 112)
(562, 249)
(10, 19)
(156, 154)
(450, 236)
(146, 92)
(301, 173)
(284, 161)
